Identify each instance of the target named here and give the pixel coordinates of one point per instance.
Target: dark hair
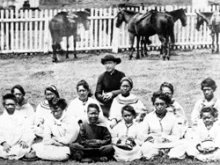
(53, 89)
(60, 102)
(8, 96)
(93, 105)
(168, 85)
(19, 87)
(213, 111)
(161, 96)
(85, 85)
(208, 82)
(129, 109)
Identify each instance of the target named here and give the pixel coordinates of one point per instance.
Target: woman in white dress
(60, 131)
(126, 98)
(78, 106)
(159, 131)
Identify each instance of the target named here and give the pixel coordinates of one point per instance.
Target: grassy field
(185, 71)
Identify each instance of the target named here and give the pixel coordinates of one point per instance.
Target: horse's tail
(171, 29)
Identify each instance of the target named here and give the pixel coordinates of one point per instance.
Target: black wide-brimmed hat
(110, 58)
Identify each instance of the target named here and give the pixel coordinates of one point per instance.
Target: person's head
(83, 90)
(208, 87)
(57, 106)
(160, 101)
(126, 86)
(209, 115)
(167, 88)
(109, 61)
(128, 114)
(19, 93)
(9, 102)
(51, 92)
(93, 113)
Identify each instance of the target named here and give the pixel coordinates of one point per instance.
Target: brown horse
(146, 25)
(213, 25)
(64, 24)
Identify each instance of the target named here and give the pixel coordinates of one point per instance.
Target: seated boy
(16, 136)
(94, 141)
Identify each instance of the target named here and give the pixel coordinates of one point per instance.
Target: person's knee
(107, 150)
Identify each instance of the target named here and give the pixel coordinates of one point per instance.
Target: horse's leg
(163, 45)
(74, 44)
(145, 45)
(217, 36)
(213, 42)
(54, 58)
(142, 40)
(67, 47)
(138, 41)
(131, 36)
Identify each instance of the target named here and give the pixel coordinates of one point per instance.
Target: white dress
(120, 131)
(195, 116)
(58, 134)
(160, 129)
(14, 129)
(201, 134)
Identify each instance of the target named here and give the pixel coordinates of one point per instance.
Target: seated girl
(125, 136)
(59, 131)
(160, 130)
(16, 136)
(126, 98)
(175, 107)
(205, 144)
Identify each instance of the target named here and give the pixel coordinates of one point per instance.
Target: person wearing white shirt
(208, 87)
(60, 131)
(16, 136)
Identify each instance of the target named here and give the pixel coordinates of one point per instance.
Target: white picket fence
(27, 31)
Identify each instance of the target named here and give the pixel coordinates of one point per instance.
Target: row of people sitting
(56, 130)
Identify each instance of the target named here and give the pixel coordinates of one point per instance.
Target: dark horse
(179, 14)
(64, 24)
(213, 25)
(146, 25)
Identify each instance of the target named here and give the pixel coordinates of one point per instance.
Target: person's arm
(195, 116)
(72, 131)
(99, 90)
(117, 92)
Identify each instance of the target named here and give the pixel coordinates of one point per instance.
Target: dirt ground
(185, 71)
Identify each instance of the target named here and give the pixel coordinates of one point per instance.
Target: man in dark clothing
(108, 85)
(94, 141)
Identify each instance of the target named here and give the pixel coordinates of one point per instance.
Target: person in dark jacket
(94, 140)
(108, 85)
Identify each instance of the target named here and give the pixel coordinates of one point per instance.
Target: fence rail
(27, 31)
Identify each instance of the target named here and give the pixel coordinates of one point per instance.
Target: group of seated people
(85, 131)
(80, 131)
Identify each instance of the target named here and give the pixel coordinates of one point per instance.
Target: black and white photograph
(109, 82)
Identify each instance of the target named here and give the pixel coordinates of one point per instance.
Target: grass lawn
(185, 71)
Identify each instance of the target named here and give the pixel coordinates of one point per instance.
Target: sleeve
(99, 89)
(2, 136)
(196, 113)
(143, 130)
(106, 137)
(47, 138)
(114, 134)
(72, 109)
(115, 111)
(72, 131)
